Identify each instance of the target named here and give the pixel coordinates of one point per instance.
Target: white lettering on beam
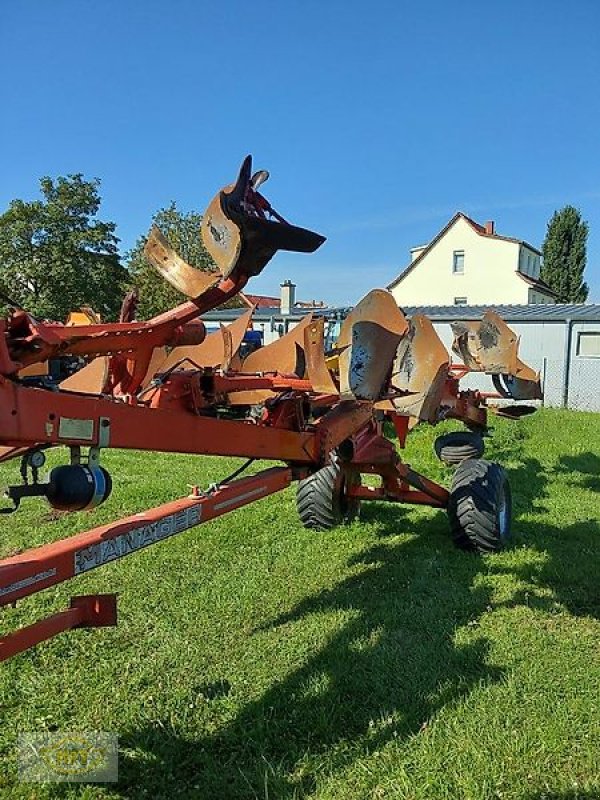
(125, 543)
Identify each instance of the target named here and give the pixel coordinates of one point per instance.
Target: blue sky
(377, 120)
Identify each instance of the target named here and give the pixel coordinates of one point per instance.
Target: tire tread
(475, 495)
(318, 499)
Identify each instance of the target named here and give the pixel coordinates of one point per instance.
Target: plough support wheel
(322, 499)
(480, 506)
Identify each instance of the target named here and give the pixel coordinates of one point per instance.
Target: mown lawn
(254, 658)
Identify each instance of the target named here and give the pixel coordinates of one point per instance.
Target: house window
(535, 297)
(458, 262)
(588, 345)
(460, 301)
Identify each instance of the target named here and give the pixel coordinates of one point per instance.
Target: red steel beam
(438, 494)
(31, 416)
(339, 424)
(411, 496)
(86, 611)
(38, 568)
(108, 337)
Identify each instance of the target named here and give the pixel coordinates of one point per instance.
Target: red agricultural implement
(164, 385)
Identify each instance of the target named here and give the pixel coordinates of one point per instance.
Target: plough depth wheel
(480, 506)
(322, 499)
(453, 448)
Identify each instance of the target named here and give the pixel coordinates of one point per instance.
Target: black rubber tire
(454, 448)
(322, 501)
(480, 506)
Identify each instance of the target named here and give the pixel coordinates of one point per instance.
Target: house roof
(267, 301)
(266, 313)
(534, 312)
(538, 284)
(479, 229)
(262, 300)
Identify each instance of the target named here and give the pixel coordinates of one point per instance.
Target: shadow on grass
(571, 560)
(570, 794)
(583, 469)
(385, 673)
(382, 676)
(569, 570)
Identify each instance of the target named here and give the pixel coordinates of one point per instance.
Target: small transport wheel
(480, 506)
(453, 448)
(322, 500)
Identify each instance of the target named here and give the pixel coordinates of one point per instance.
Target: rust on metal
(218, 347)
(227, 347)
(488, 345)
(526, 373)
(420, 371)
(89, 380)
(157, 358)
(242, 231)
(35, 370)
(188, 280)
(220, 234)
(284, 355)
(367, 343)
(309, 409)
(299, 353)
(316, 368)
(491, 346)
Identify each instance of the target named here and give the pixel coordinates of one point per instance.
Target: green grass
(254, 658)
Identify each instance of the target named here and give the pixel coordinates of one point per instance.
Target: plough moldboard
(165, 385)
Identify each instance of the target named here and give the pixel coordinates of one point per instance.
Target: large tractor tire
(322, 500)
(454, 448)
(480, 506)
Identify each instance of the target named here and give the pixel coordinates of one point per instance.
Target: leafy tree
(182, 231)
(55, 256)
(564, 252)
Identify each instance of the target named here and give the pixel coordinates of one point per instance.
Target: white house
(470, 264)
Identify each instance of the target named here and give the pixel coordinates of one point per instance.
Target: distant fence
(581, 391)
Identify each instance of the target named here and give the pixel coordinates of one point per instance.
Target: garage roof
(535, 312)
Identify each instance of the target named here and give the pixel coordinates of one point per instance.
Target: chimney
(490, 227)
(288, 297)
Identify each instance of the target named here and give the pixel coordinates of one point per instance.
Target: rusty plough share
(163, 385)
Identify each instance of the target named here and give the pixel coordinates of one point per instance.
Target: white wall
(584, 372)
(489, 277)
(535, 296)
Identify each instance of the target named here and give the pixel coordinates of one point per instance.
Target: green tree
(55, 256)
(564, 252)
(182, 231)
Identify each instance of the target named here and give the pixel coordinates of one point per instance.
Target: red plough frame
(305, 421)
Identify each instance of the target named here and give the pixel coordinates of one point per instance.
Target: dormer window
(458, 262)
